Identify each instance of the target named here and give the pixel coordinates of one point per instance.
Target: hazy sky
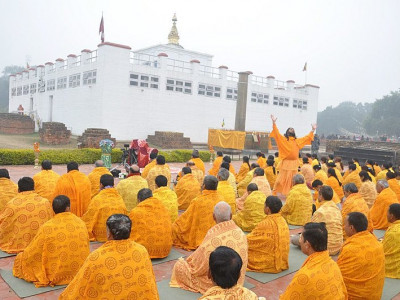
(352, 47)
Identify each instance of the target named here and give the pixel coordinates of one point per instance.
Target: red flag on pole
(101, 29)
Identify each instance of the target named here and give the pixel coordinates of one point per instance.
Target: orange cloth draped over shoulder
(334, 184)
(318, 278)
(318, 204)
(237, 292)
(128, 189)
(362, 263)
(228, 193)
(196, 173)
(148, 167)
(169, 199)
(368, 192)
(77, 187)
(321, 175)
(151, 227)
(262, 162)
(106, 203)
(307, 171)
(252, 212)
(269, 174)
(380, 208)
(289, 153)
(187, 189)
(298, 206)
(395, 186)
(154, 172)
(45, 183)
(21, 219)
(192, 274)
(56, 253)
(269, 245)
(119, 269)
(244, 169)
(381, 175)
(353, 177)
(199, 164)
(262, 184)
(242, 185)
(189, 230)
(8, 190)
(216, 164)
(391, 247)
(355, 202)
(94, 178)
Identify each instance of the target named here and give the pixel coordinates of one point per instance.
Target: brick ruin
(54, 133)
(169, 140)
(16, 124)
(92, 137)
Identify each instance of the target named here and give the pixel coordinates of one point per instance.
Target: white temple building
(163, 87)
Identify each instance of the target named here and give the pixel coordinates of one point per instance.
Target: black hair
(317, 235)
(259, 171)
(225, 165)
(394, 209)
(252, 187)
(72, 166)
(107, 180)
(161, 180)
(225, 265)
(358, 220)
(143, 194)
(365, 175)
(160, 160)
(47, 165)
(119, 226)
(246, 160)
(333, 173)
(326, 192)
(186, 170)
(316, 183)
(227, 159)
(270, 163)
(60, 204)
(4, 173)
(210, 183)
(273, 203)
(26, 184)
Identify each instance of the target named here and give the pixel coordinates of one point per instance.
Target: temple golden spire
(173, 36)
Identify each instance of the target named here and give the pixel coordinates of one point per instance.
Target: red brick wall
(16, 124)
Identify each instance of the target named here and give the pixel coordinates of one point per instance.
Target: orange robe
(244, 169)
(391, 247)
(196, 173)
(169, 199)
(189, 230)
(199, 164)
(187, 189)
(269, 174)
(262, 162)
(119, 269)
(154, 172)
(381, 175)
(321, 175)
(237, 292)
(227, 192)
(298, 206)
(216, 165)
(269, 245)
(242, 185)
(148, 167)
(330, 214)
(106, 203)
(318, 278)
(45, 183)
(380, 208)
(128, 189)
(8, 190)
(334, 184)
(151, 227)
(252, 212)
(355, 202)
(56, 253)
(94, 178)
(308, 173)
(289, 153)
(368, 192)
(21, 219)
(77, 187)
(192, 274)
(362, 263)
(395, 186)
(353, 177)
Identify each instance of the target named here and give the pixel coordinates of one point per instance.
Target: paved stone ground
(270, 290)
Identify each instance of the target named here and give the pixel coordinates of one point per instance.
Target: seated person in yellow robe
(195, 171)
(192, 274)
(197, 160)
(298, 206)
(106, 203)
(354, 202)
(225, 265)
(77, 187)
(187, 188)
(353, 176)
(261, 181)
(46, 180)
(228, 160)
(150, 165)
(22, 217)
(379, 210)
(382, 174)
(216, 164)
(319, 277)
(261, 161)
(269, 241)
(391, 243)
(315, 160)
(316, 185)
(189, 230)
(167, 197)
(244, 169)
(307, 171)
(361, 260)
(95, 175)
(225, 189)
(8, 189)
(324, 164)
(367, 189)
(231, 178)
(393, 184)
(129, 187)
(253, 209)
(57, 251)
(119, 269)
(159, 169)
(151, 225)
(242, 185)
(270, 172)
(320, 174)
(334, 182)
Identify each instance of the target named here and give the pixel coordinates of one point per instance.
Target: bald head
(99, 163)
(134, 169)
(222, 212)
(190, 163)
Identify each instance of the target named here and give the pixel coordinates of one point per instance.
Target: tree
(4, 85)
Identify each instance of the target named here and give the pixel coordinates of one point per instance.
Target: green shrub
(83, 156)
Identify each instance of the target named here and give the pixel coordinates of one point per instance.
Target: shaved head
(134, 169)
(222, 212)
(99, 163)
